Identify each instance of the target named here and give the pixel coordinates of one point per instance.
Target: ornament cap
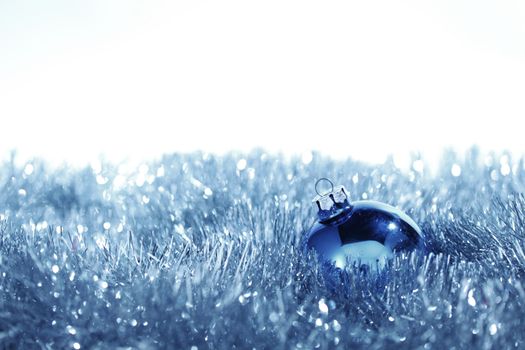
(330, 203)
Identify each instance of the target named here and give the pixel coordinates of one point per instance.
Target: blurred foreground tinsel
(197, 251)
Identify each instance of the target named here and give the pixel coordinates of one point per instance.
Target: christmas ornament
(362, 233)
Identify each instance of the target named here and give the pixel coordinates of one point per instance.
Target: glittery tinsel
(199, 251)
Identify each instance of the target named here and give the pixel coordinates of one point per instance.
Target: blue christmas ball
(362, 233)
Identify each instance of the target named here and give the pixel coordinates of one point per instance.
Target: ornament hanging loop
(323, 179)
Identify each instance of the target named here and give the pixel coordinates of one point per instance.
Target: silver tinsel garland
(199, 251)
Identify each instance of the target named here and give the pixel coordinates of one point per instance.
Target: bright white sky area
(135, 79)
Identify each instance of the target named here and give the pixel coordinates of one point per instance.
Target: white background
(134, 79)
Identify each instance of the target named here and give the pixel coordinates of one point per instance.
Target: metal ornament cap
(330, 203)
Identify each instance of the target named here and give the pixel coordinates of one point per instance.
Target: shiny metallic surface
(367, 232)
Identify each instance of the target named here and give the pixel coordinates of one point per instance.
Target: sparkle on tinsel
(198, 251)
